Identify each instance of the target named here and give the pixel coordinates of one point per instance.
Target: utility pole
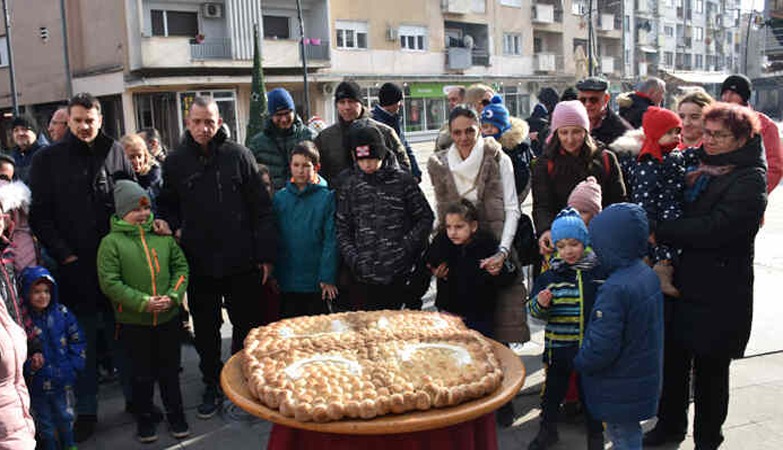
(304, 60)
(590, 38)
(7, 19)
(66, 57)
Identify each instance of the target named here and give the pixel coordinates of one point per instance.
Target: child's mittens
(544, 298)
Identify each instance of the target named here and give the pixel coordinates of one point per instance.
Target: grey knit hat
(128, 195)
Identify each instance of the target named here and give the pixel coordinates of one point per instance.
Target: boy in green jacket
(145, 277)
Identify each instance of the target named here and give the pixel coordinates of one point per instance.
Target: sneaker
(546, 437)
(659, 436)
(178, 427)
(84, 427)
(209, 403)
(146, 431)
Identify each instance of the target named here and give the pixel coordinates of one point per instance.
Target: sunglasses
(586, 100)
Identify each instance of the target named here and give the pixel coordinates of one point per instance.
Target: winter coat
(443, 141)
(152, 182)
(307, 246)
(73, 193)
(383, 221)
(272, 147)
(635, 110)
(218, 201)
(23, 160)
(61, 338)
(553, 182)
(612, 127)
(17, 428)
(469, 291)
(335, 157)
(134, 264)
(539, 123)
(516, 144)
(621, 359)
(715, 270)
(773, 150)
(14, 304)
(15, 199)
(393, 120)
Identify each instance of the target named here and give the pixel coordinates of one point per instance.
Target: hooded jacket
(393, 120)
(715, 270)
(272, 147)
(218, 201)
(335, 157)
(621, 359)
(307, 247)
(59, 334)
(133, 264)
(17, 429)
(516, 144)
(15, 198)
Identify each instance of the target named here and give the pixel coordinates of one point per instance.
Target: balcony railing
(317, 49)
(214, 48)
(460, 58)
(545, 62)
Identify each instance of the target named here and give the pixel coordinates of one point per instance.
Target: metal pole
(590, 38)
(747, 39)
(7, 19)
(66, 57)
(304, 60)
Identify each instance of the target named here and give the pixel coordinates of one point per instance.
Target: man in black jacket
(605, 124)
(387, 112)
(73, 183)
(650, 92)
(214, 201)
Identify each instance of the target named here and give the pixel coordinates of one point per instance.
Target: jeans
(53, 412)
(625, 436)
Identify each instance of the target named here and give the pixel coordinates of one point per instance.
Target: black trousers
(243, 297)
(376, 297)
(296, 304)
(711, 394)
(154, 354)
(558, 374)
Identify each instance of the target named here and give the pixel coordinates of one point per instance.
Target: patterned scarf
(698, 178)
(586, 262)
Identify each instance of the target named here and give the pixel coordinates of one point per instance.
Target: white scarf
(465, 171)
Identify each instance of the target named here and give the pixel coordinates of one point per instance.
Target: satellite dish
(467, 41)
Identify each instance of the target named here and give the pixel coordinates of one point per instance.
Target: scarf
(465, 171)
(588, 261)
(697, 178)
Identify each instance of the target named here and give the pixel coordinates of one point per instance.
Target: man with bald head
(214, 201)
(58, 124)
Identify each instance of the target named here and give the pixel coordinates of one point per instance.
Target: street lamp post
(304, 60)
(12, 73)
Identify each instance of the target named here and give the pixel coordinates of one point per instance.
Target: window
(479, 6)
(538, 45)
(3, 52)
(699, 62)
(687, 60)
(578, 7)
(699, 6)
(514, 3)
(413, 38)
(351, 34)
(277, 27)
(698, 33)
(174, 23)
(668, 30)
(668, 59)
(512, 44)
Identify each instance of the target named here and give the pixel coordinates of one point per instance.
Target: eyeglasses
(717, 135)
(586, 100)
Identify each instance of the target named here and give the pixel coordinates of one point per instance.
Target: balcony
(546, 63)
(610, 26)
(543, 13)
(607, 65)
(461, 58)
(455, 6)
(211, 49)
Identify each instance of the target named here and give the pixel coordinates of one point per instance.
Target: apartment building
(766, 67)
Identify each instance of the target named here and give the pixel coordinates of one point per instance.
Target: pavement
(756, 389)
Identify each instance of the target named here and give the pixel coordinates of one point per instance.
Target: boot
(546, 437)
(665, 272)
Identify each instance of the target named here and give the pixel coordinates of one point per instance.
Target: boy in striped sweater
(563, 296)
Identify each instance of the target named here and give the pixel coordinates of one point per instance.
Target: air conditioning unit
(392, 34)
(212, 10)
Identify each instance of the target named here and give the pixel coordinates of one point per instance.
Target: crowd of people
(641, 242)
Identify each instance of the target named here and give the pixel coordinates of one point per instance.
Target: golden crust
(367, 364)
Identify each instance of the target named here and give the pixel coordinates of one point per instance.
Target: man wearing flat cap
(27, 145)
(605, 124)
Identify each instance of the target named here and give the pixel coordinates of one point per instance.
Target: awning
(700, 77)
(648, 49)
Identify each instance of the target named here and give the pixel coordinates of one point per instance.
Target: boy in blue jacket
(621, 358)
(62, 358)
(306, 269)
(563, 296)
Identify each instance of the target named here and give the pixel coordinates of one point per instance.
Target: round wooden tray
(235, 387)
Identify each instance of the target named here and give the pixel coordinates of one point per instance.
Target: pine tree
(258, 112)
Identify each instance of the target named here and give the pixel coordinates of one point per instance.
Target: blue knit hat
(496, 114)
(279, 100)
(569, 225)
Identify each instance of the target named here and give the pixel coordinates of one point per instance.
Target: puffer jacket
(335, 157)
(307, 249)
(17, 428)
(133, 264)
(383, 221)
(621, 359)
(15, 198)
(218, 201)
(516, 145)
(61, 338)
(272, 147)
(633, 111)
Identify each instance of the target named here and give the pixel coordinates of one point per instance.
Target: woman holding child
(710, 324)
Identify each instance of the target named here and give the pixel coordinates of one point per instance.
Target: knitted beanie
(496, 114)
(279, 100)
(21, 121)
(586, 197)
(365, 140)
(569, 225)
(655, 123)
(348, 89)
(128, 195)
(570, 113)
(389, 94)
(739, 84)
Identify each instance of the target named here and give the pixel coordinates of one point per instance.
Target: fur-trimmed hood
(15, 195)
(630, 143)
(516, 134)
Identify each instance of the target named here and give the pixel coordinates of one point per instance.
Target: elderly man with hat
(27, 145)
(283, 129)
(737, 89)
(335, 155)
(387, 112)
(605, 124)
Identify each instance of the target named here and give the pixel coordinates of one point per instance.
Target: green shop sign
(428, 90)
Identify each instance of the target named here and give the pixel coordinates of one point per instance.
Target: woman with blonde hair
(147, 170)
